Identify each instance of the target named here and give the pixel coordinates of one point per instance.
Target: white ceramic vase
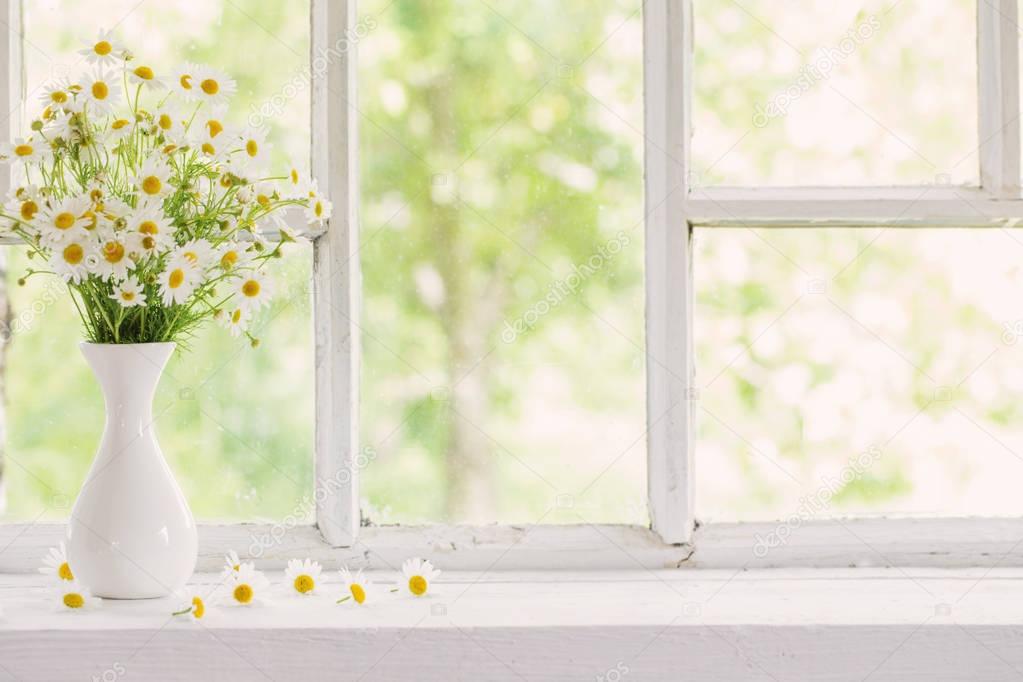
(131, 533)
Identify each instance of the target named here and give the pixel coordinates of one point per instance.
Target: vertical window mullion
(336, 290)
(998, 91)
(668, 31)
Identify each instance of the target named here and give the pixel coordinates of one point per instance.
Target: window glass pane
(868, 92)
(858, 371)
(235, 423)
(502, 251)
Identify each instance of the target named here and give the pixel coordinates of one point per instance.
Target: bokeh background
(503, 374)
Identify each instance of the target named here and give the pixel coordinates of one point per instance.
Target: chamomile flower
(152, 227)
(24, 150)
(247, 586)
(143, 74)
(73, 259)
(214, 86)
(75, 596)
(55, 563)
(101, 90)
(56, 94)
(191, 604)
(235, 322)
(184, 82)
(295, 186)
(357, 588)
(318, 210)
(252, 291)
(198, 252)
(114, 261)
(255, 148)
(129, 293)
(210, 139)
(104, 51)
(24, 204)
(153, 179)
(120, 128)
(304, 576)
(418, 576)
(60, 127)
(62, 220)
(178, 281)
(170, 121)
(232, 256)
(233, 564)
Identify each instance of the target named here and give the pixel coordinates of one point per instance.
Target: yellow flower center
(210, 86)
(73, 600)
(358, 594)
(100, 90)
(144, 72)
(251, 288)
(73, 254)
(152, 185)
(215, 127)
(29, 210)
(243, 594)
(64, 220)
(318, 209)
(417, 585)
(228, 260)
(191, 256)
(64, 572)
(96, 195)
(304, 583)
(148, 227)
(252, 148)
(148, 243)
(176, 278)
(207, 148)
(103, 48)
(119, 123)
(92, 220)
(128, 296)
(294, 176)
(186, 81)
(113, 252)
(198, 608)
(24, 150)
(236, 316)
(58, 96)
(165, 122)
(263, 200)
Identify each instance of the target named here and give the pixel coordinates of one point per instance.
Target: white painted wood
(11, 93)
(863, 542)
(933, 206)
(635, 625)
(336, 279)
(498, 548)
(874, 542)
(667, 30)
(998, 92)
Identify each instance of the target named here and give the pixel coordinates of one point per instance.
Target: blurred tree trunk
(468, 467)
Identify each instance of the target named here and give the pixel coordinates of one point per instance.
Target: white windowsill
(810, 624)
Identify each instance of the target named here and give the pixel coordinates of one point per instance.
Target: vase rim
(82, 344)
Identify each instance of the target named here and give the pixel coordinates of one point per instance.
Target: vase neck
(128, 375)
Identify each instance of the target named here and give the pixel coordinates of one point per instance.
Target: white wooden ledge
(785, 624)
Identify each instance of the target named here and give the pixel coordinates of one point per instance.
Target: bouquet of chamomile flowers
(135, 189)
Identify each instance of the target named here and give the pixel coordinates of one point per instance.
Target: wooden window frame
(674, 208)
